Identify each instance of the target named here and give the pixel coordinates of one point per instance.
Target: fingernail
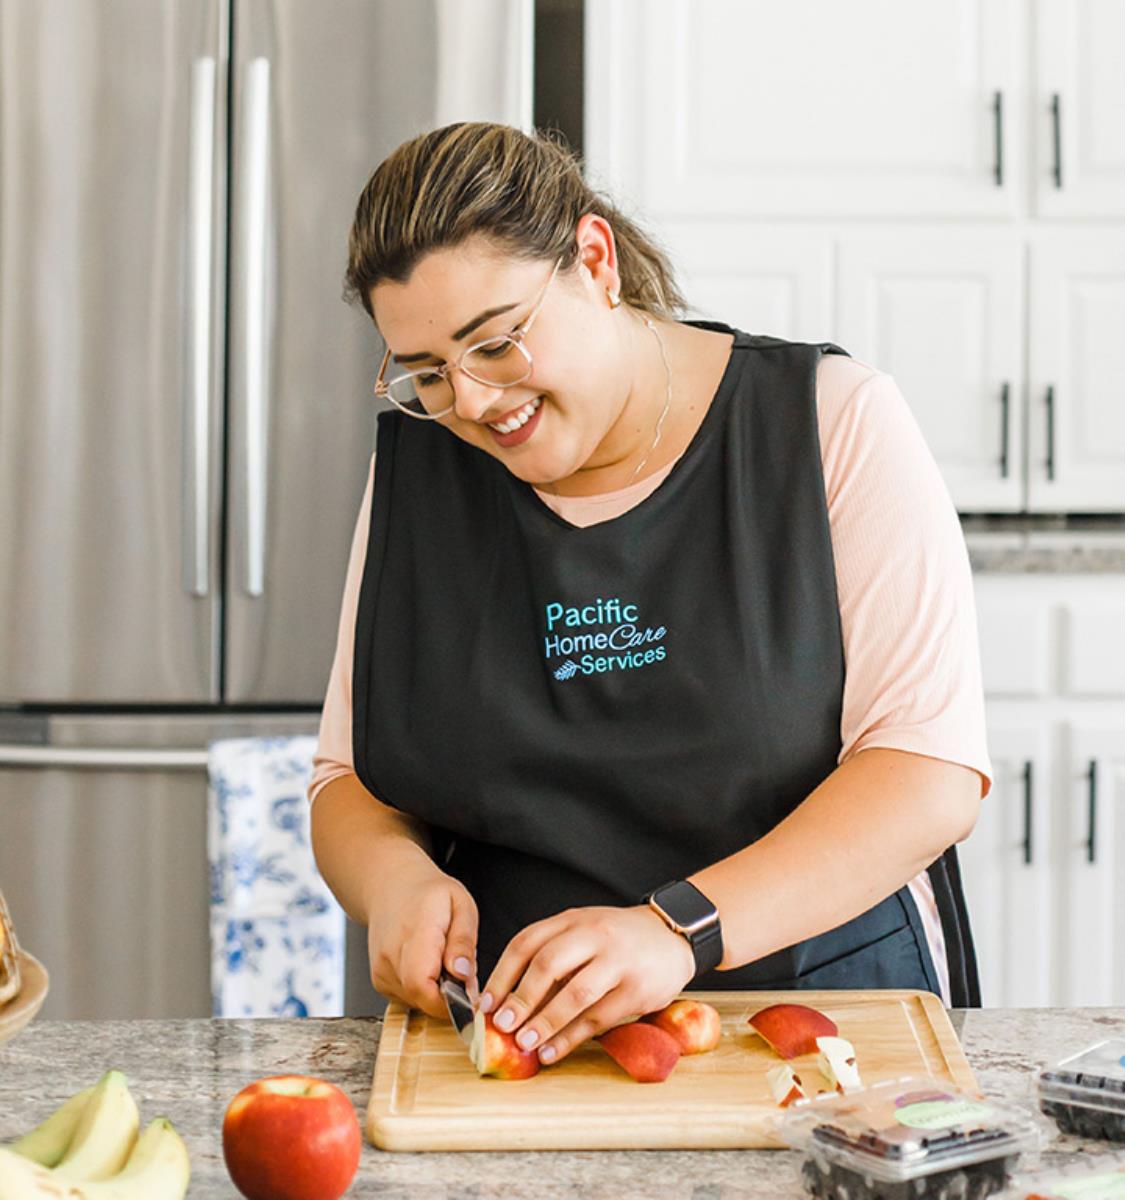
(505, 1019)
(548, 1054)
(485, 1002)
(527, 1038)
(462, 966)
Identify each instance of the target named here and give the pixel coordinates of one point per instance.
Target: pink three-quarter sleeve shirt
(912, 662)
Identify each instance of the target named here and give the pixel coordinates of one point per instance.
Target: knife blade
(458, 1005)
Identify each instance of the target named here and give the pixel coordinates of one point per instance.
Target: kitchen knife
(457, 1004)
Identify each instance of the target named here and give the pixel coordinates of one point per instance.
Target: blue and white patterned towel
(277, 933)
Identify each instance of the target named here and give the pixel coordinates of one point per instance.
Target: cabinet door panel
(1076, 413)
(1079, 108)
(940, 312)
(763, 279)
(753, 108)
(1093, 865)
(1015, 637)
(1095, 645)
(1008, 896)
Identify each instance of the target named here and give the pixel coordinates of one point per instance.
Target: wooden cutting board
(426, 1094)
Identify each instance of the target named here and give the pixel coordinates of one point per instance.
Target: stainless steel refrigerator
(186, 420)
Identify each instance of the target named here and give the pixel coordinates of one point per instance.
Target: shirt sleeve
(333, 756)
(905, 589)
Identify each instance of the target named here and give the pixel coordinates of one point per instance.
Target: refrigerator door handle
(91, 756)
(258, 334)
(197, 410)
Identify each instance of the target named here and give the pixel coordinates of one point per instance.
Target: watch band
(688, 912)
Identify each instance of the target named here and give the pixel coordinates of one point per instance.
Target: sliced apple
(494, 1052)
(694, 1024)
(792, 1029)
(646, 1052)
(785, 1085)
(836, 1061)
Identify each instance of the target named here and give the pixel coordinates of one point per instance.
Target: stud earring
(614, 299)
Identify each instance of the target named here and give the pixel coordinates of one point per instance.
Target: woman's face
(579, 382)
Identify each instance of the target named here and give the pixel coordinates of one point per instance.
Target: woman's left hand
(579, 973)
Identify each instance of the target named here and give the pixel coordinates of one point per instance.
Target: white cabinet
(1004, 865)
(742, 108)
(886, 177)
(1092, 864)
(966, 385)
(976, 386)
(1076, 415)
(1044, 869)
(775, 281)
(1079, 108)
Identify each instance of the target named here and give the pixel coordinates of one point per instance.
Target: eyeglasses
(499, 362)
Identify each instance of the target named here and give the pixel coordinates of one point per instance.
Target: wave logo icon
(567, 671)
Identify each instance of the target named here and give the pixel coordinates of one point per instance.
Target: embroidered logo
(604, 635)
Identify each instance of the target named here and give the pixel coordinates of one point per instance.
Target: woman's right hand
(418, 922)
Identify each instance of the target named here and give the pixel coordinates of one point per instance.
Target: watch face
(685, 904)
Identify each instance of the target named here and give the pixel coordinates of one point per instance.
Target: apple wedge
(644, 1051)
(836, 1062)
(785, 1085)
(792, 1029)
(494, 1052)
(694, 1024)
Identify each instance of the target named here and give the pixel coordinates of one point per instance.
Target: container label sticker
(1110, 1186)
(939, 1114)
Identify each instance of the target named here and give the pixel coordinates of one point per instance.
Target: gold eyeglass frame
(516, 337)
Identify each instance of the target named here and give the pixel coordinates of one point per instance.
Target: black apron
(580, 715)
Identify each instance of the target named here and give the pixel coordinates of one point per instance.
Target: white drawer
(1015, 646)
(1094, 651)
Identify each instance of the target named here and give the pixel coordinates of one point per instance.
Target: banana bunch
(89, 1149)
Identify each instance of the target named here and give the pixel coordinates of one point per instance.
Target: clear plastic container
(1085, 1093)
(914, 1138)
(1090, 1179)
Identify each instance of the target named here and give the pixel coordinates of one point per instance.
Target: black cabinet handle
(1027, 812)
(998, 120)
(1004, 418)
(1056, 120)
(1051, 432)
(1092, 801)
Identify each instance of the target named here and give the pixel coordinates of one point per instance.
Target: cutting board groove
(426, 1095)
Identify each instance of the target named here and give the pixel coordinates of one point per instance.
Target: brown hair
(523, 193)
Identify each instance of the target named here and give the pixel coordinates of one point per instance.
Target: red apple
(495, 1052)
(644, 1051)
(695, 1025)
(291, 1137)
(792, 1029)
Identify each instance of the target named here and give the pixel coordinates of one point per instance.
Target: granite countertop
(1016, 544)
(189, 1070)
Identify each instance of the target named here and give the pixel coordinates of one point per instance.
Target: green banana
(49, 1140)
(158, 1169)
(105, 1134)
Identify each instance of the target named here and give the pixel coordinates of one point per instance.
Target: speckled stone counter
(189, 1070)
(1045, 551)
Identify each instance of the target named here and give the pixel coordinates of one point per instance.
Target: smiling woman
(657, 662)
(501, 361)
(489, 218)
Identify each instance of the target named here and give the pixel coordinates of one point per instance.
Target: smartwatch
(688, 912)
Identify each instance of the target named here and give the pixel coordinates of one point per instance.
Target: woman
(634, 604)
